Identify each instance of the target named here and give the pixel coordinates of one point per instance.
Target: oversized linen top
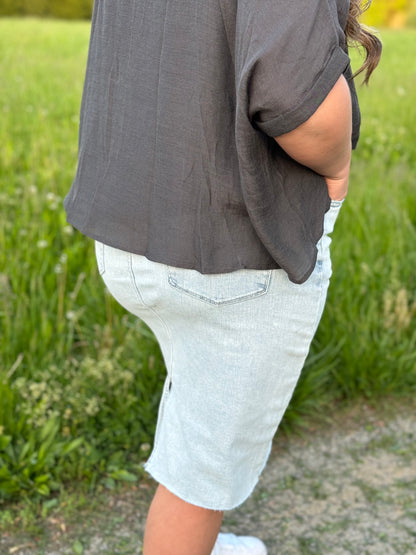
(181, 101)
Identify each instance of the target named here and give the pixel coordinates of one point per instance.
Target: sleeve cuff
(283, 123)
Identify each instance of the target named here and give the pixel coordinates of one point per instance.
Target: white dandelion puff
(42, 244)
(68, 230)
(50, 197)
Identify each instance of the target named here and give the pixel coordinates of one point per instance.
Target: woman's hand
(338, 186)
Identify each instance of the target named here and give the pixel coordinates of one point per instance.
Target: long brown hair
(359, 35)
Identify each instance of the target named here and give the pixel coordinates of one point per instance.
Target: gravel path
(344, 492)
(347, 488)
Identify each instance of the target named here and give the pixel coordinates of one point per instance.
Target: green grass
(372, 302)
(74, 367)
(80, 380)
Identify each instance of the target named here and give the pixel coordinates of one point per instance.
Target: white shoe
(230, 544)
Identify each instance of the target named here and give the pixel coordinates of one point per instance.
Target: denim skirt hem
(234, 345)
(194, 498)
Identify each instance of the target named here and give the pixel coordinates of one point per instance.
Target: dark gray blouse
(181, 101)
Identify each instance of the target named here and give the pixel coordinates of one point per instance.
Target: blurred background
(80, 380)
(386, 13)
(68, 9)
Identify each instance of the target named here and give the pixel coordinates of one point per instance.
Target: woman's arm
(323, 142)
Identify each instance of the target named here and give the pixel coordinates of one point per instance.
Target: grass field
(80, 380)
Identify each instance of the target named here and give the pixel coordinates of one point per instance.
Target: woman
(214, 154)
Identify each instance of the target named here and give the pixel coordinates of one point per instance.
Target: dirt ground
(346, 486)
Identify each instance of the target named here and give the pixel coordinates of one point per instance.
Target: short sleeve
(289, 55)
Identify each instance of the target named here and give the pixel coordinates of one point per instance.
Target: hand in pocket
(337, 188)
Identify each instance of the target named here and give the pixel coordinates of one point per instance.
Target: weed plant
(80, 380)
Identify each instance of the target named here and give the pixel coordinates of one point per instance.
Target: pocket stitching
(247, 296)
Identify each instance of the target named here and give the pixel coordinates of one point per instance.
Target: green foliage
(67, 9)
(383, 13)
(69, 354)
(390, 13)
(372, 301)
(30, 460)
(80, 380)
(94, 410)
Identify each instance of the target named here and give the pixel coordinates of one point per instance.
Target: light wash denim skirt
(234, 345)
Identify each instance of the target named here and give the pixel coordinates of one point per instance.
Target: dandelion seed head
(71, 315)
(68, 230)
(58, 269)
(42, 244)
(32, 189)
